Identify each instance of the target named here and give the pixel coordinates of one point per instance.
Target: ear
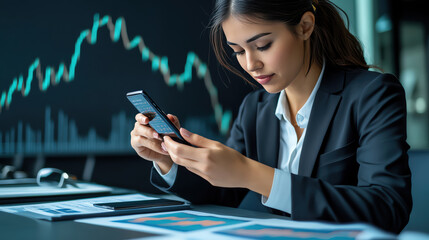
(306, 25)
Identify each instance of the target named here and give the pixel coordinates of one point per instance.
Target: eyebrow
(251, 39)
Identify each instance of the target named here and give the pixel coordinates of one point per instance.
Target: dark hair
(330, 39)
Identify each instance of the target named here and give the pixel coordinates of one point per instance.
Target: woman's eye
(263, 48)
(234, 54)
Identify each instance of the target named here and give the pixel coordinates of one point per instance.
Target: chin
(272, 89)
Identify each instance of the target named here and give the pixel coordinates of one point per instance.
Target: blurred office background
(394, 35)
(79, 120)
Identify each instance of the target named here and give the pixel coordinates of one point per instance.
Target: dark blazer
(354, 162)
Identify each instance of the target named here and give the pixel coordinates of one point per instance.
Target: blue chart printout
(181, 221)
(194, 225)
(257, 231)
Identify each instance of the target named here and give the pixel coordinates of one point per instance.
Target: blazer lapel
(268, 131)
(324, 108)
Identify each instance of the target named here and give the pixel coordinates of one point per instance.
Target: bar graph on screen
(66, 139)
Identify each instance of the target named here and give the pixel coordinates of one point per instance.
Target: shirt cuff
(169, 177)
(280, 195)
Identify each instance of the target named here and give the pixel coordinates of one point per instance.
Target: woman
(325, 139)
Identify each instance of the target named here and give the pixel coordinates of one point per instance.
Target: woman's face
(269, 51)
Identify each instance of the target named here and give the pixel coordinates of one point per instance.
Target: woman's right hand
(147, 142)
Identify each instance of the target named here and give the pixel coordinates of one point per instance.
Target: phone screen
(158, 119)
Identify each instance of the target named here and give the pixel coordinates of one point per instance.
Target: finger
(150, 144)
(184, 151)
(183, 161)
(146, 131)
(196, 139)
(142, 119)
(174, 120)
(148, 154)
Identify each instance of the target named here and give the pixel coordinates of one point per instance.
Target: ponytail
(332, 40)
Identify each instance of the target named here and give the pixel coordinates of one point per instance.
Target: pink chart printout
(257, 231)
(189, 224)
(182, 221)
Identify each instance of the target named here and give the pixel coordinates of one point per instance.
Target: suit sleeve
(383, 192)
(196, 189)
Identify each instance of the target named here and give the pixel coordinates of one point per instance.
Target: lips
(263, 79)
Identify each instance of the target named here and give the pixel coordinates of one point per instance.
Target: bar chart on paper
(182, 221)
(256, 231)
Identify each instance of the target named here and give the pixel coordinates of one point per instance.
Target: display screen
(148, 109)
(66, 66)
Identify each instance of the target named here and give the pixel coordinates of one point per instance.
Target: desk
(18, 227)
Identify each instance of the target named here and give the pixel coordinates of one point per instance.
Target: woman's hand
(147, 142)
(218, 164)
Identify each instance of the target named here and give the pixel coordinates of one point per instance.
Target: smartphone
(158, 119)
(140, 204)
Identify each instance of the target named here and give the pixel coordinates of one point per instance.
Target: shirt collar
(303, 115)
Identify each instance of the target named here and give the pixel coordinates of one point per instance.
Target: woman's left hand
(218, 164)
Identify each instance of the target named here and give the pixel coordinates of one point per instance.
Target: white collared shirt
(289, 151)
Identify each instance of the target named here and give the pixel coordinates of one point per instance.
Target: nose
(253, 62)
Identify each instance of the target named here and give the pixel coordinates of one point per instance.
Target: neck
(299, 91)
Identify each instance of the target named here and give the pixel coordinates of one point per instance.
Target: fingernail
(186, 132)
(164, 147)
(156, 135)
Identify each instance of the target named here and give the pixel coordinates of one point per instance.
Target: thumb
(174, 120)
(195, 139)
